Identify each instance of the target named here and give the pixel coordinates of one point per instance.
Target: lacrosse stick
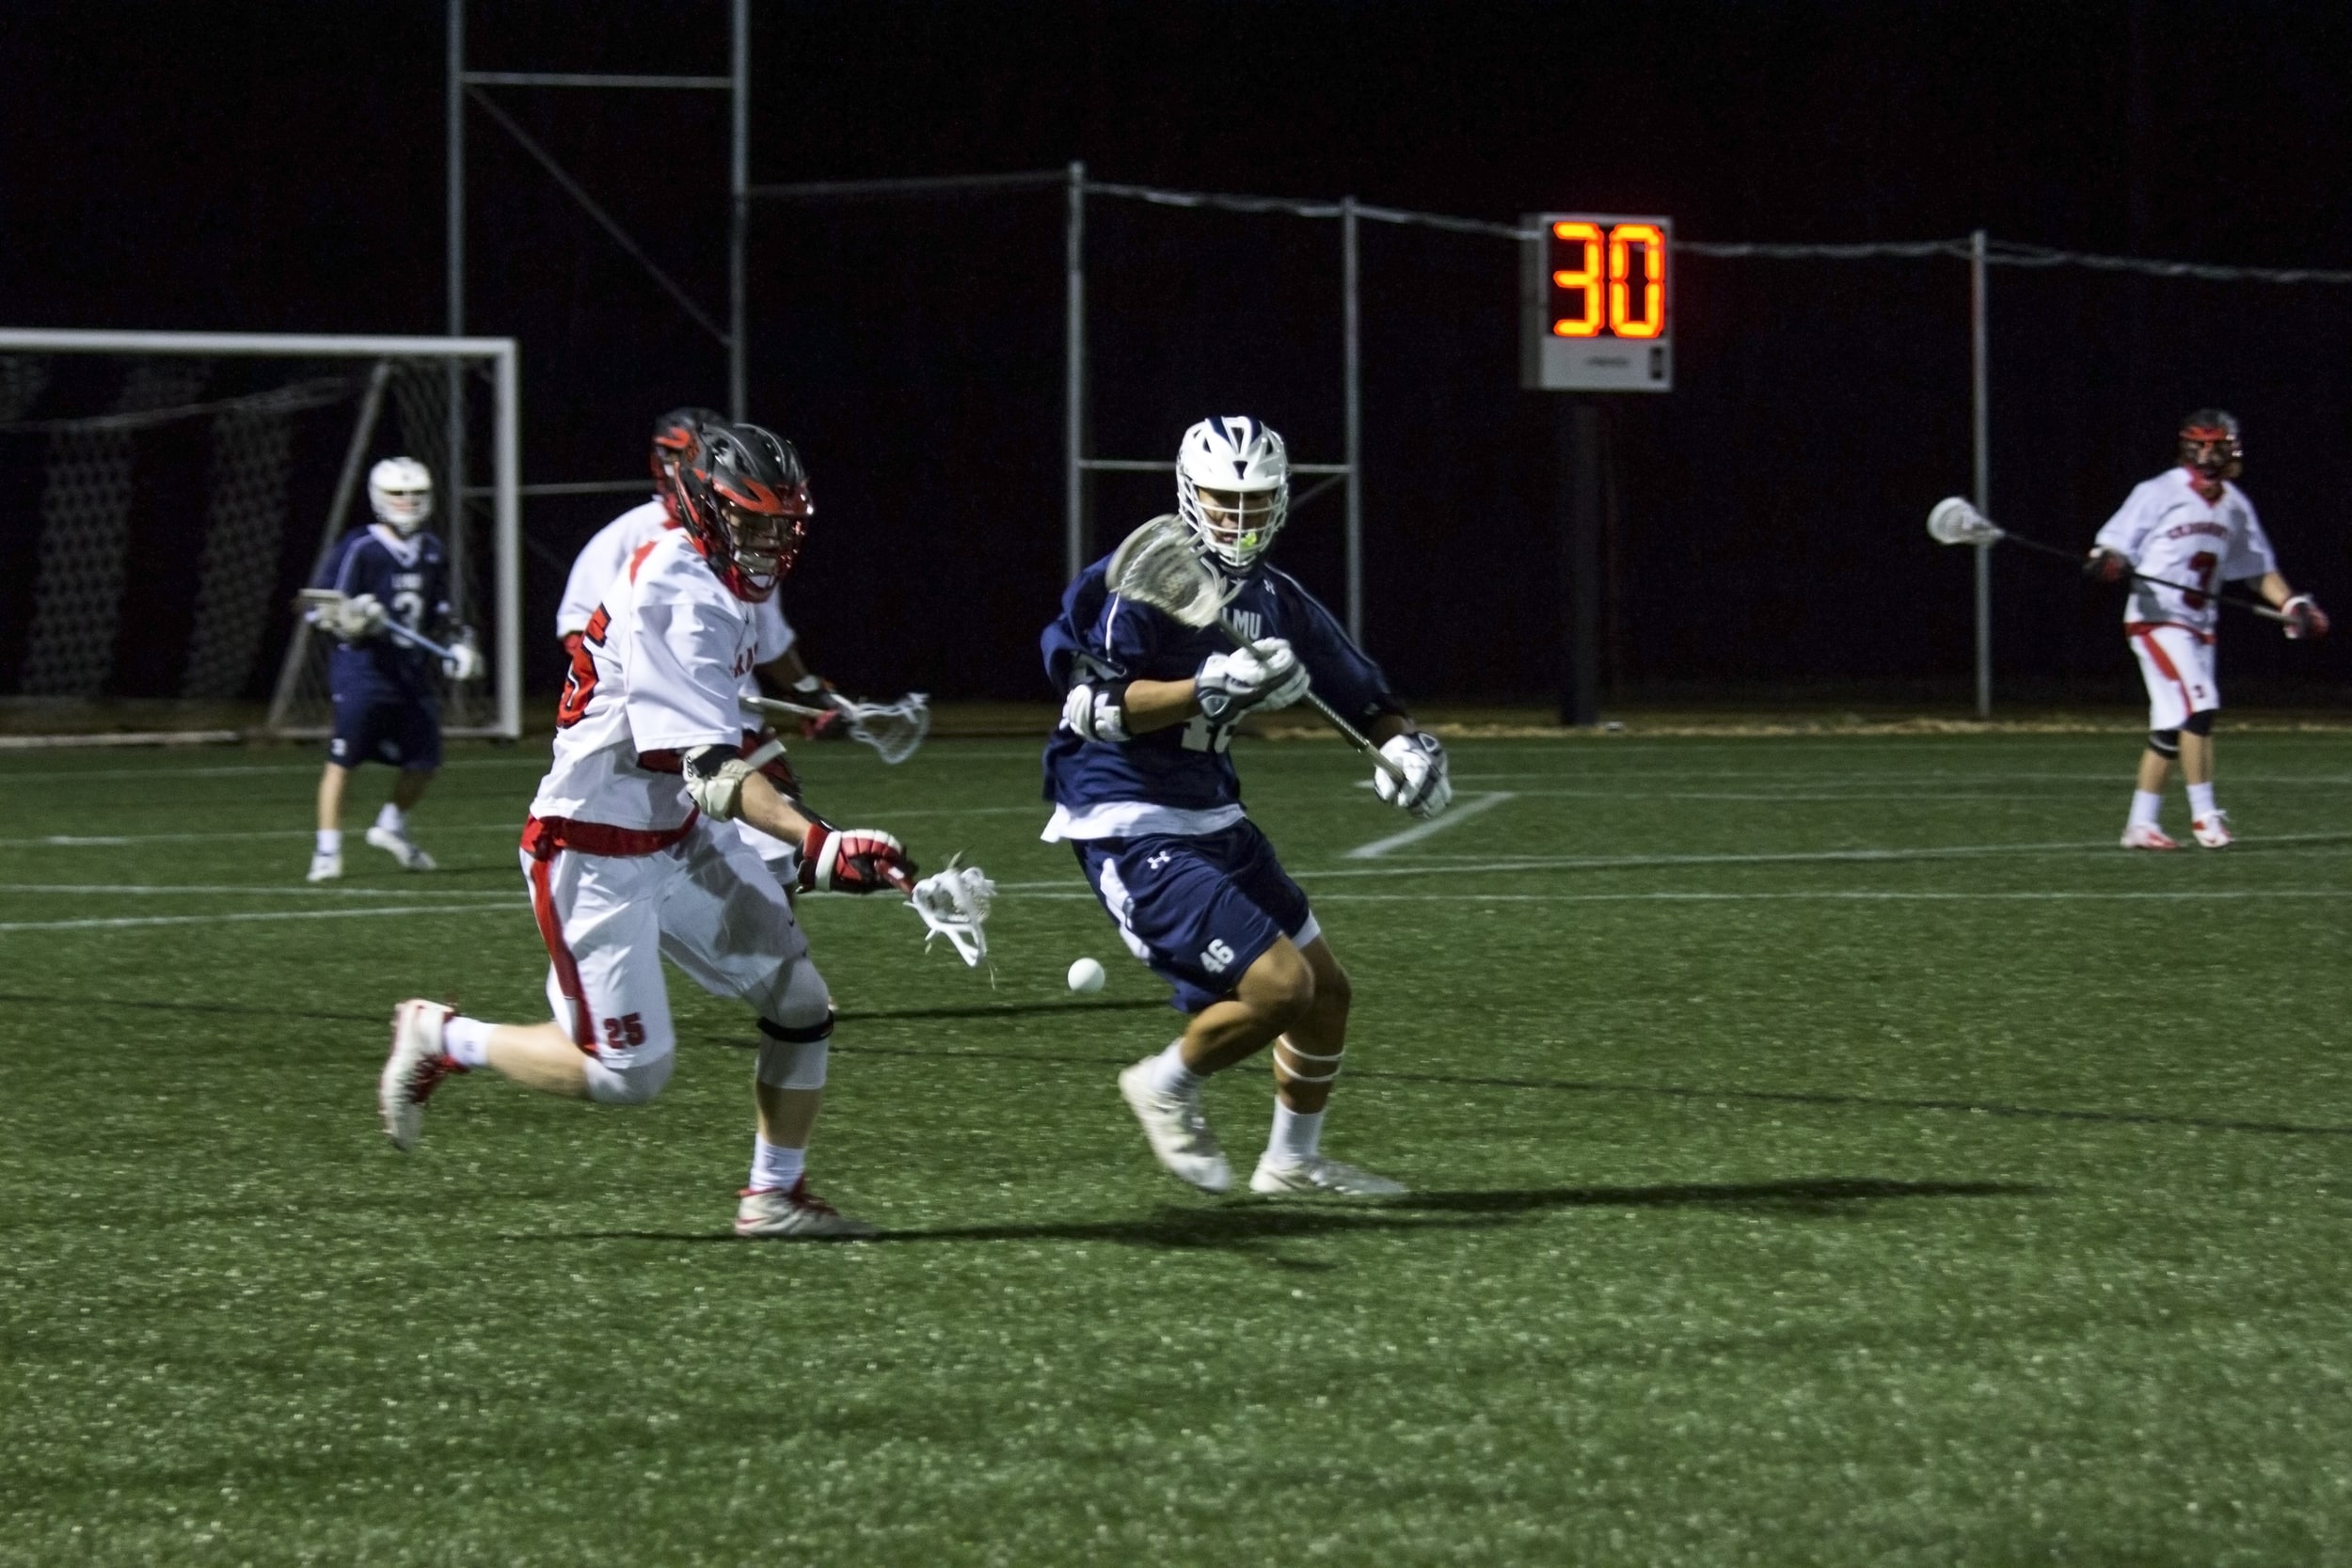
(894, 729)
(324, 598)
(1955, 522)
(954, 904)
(1156, 565)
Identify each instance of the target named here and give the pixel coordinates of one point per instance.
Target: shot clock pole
(1596, 315)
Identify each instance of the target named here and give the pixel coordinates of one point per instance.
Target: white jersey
(668, 651)
(2166, 530)
(775, 639)
(600, 561)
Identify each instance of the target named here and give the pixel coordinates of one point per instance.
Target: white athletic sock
(468, 1041)
(1295, 1138)
(331, 841)
(2201, 800)
(1168, 1074)
(393, 818)
(2145, 807)
(776, 1166)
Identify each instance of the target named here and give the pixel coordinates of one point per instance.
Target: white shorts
(2177, 664)
(783, 860)
(705, 903)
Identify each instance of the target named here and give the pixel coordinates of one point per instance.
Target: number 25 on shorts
(628, 1029)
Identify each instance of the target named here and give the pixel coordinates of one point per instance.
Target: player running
(2189, 526)
(392, 576)
(625, 859)
(1145, 793)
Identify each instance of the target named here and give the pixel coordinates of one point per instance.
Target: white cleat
(1319, 1176)
(400, 847)
(414, 1070)
(326, 865)
(2147, 836)
(1178, 1131)
(795, 1214)
(2213, 830)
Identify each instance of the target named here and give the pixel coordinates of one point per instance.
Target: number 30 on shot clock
(1596, 304)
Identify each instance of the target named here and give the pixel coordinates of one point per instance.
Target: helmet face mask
(743, 496)
(400, 492)
(2210, 445)
(1233, 490)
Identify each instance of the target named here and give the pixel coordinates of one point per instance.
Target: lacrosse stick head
(954, 904)
(894, 729)
(1159, 564)
(1954, 521)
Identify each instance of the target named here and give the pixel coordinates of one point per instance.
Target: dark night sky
(279, 166)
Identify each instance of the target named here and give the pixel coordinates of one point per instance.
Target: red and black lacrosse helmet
(2210, 445)
(675, 435)
(743, 495)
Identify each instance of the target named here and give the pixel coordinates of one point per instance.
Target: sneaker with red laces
(2147, 836)
(414, 1070)
(2213, 830)
(795, 1214)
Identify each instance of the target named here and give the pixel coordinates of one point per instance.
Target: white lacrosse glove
(1262, 675)
(1421, 757)
(714, 780)
(954, 904)
(354, 619)
(465, 661)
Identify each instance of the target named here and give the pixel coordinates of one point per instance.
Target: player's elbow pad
(1097, 712)
(714, 780)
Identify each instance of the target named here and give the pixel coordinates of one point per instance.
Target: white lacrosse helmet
(400, 490)
(1232, 489)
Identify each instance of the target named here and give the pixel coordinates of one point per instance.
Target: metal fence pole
(740, 179)
(1074, 375)
(1354, 457)
(454, 111)
(1981, 401)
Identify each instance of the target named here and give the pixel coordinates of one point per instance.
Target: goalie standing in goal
(1144, 791)
(382, 590)
(2190, 529)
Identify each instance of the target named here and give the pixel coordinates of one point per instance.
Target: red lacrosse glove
(2304, 617)
(852, 860)
(2108, 566)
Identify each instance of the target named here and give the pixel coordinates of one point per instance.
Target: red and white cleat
(2213, 830)
(2147, 836)
(414, 1070)
(795, 1214)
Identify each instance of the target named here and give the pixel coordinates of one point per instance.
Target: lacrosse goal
(166, 494)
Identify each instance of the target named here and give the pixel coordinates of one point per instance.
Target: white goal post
(449, 398)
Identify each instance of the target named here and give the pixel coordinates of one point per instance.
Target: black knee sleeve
(2165, 743)
(806, 1034)
(2201, 722)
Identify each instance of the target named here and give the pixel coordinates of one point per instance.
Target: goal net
(164, 496)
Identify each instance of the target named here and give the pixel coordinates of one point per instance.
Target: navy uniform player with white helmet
(2193, 530)
(377, 582)
(1144, 790)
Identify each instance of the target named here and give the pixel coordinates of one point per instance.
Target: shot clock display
(1596, 304)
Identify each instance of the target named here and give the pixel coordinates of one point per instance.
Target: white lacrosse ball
(1086, 976)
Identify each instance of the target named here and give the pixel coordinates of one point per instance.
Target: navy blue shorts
(405, 732)
(1199, 911)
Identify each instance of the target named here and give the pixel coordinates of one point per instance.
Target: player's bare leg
(327, 856)
(1164, 1090)
(1307, 1064)
(2141, 830)
(2207, 820)
(391, 831)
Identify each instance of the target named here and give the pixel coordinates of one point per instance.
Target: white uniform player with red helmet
(2191, 530)
(631, 852)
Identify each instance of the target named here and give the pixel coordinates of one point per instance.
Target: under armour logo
(1159, 860)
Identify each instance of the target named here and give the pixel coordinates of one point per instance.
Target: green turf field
(1826, 1151)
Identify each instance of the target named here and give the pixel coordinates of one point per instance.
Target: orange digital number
(1586, 279)
(1622, 241)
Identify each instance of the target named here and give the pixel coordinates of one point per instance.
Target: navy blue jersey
(1099, 637)
(409, 577)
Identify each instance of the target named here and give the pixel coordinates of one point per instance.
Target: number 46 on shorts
(1218, 956)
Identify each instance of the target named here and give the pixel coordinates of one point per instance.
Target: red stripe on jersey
(637, 556)
(560, 954)
(543, 835)
(2146, 634)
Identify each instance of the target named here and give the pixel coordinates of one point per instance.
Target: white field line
(432, 831)
(509, 907)
(1440, 865)
(295, 890)
(1419, 830)
(1831, 895)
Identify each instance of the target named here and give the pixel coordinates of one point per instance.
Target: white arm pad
(714, 781)
(1094, 714)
